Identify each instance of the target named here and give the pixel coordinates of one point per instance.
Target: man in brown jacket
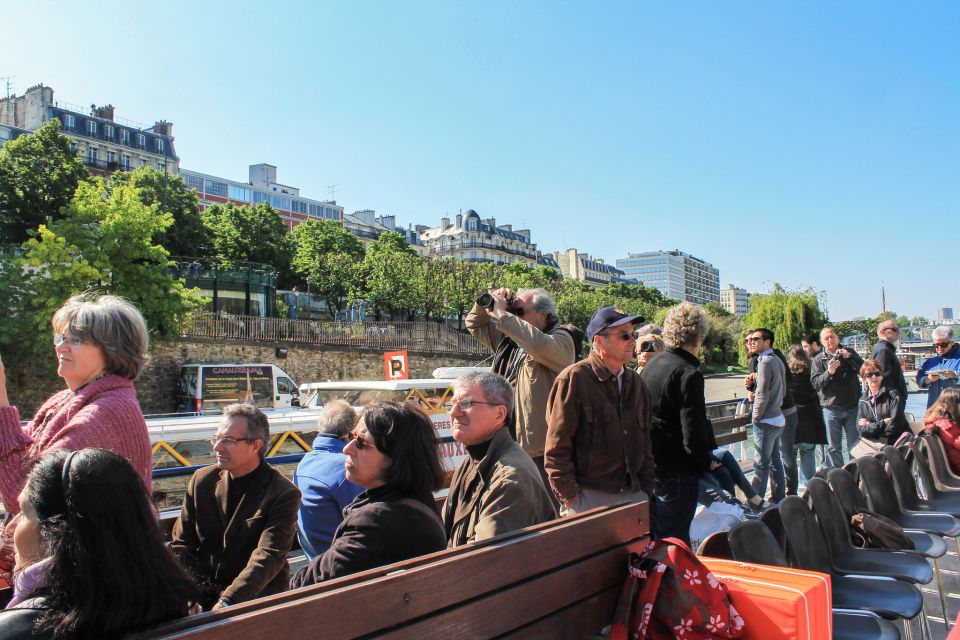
(598, 440)
(497, 488)
(530, 349)
(237, 521)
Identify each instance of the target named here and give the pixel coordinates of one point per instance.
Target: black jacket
(886, 354)
(681, 432)
(810, 426)
(381, 526)
(18, 623)
(840, 390)
(887, 405)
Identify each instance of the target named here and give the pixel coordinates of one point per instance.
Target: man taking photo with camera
(530, 349)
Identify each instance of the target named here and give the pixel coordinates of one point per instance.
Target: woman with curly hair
(943, 417)
(682, 435)
(91, 561)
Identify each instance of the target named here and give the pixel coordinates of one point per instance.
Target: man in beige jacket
(497, 489)
(530, 349)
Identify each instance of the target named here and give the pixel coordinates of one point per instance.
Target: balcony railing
(381, 336)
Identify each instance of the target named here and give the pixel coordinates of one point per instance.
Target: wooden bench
(558, 579)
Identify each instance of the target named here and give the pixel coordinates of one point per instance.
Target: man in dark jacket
(237, 521)
(598, 417)
(835, 374)
(885, 352)
(682, 434)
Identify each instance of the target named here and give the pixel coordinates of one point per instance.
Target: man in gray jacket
(768, 419)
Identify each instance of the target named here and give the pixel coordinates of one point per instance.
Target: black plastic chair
(848, 559)
(852, 501)
(715, 545)
(771, 518)
(808, 550)
(906, 487)
(944, 479)
(752, 541)
(882, 498)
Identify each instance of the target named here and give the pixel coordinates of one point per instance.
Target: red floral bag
(670, 594)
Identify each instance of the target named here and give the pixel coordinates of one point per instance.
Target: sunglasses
(753, 339)
(626, 337)
(941, 345)
(648, 347)
(873, 374)
(362, 443)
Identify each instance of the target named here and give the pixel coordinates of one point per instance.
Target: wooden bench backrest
(521, 580)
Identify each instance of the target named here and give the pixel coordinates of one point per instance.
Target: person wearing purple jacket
(322, 480)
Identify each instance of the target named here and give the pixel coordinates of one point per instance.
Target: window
(194, 182)
(111, 158)
(124, 137)
(238, 193)
(162, 166)
(68, 121)
(91, 156)
(141, 142)
(143, 162)
(108, 131)
(91, 127)
(158, 143)
(73, 146)
(125, 162)
(215, 188)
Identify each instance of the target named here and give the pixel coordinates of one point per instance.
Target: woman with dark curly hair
(393, 454)
(91, 561)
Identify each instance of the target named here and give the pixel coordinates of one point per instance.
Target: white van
(208, 388)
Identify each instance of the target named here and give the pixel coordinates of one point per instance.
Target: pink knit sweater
(104, 413)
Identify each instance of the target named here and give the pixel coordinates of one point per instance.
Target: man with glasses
(770, 424)
(835, 374)
(237, 521)
(885, 352)
(598, 416)
(940, 371)
(530, 349)
(497, 488)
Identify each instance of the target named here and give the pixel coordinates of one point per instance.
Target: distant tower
(945, 315)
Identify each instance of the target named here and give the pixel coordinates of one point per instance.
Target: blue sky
(810, 144)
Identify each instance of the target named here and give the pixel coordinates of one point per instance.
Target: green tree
(39, 174)
(187, 236)
(465, 281)
(789, 314)
(249, 233)
(104, 242)
(330, 258)
(388, 276)
(919, 321)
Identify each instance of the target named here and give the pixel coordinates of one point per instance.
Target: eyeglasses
(753, 339)
(626, 337)
(941, 345)
(73, 341)
(362, 443)
(648, 347)
(894, 329)
(873, 374)
(228, 442)
(465, 403)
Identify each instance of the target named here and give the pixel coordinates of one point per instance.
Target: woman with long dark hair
(91, 561)
(393, 455)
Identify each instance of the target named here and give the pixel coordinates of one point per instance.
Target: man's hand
(843, 353)
(863, 422)
(501, 300)
(750, 380)
(948, 374)
(932, 377)
(832, 366)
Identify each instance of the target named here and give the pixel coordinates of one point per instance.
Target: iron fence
(415, 336)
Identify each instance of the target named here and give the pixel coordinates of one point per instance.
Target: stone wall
(157, 385)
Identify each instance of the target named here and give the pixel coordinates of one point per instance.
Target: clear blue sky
(811, 144)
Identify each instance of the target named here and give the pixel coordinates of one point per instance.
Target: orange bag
(777, 602)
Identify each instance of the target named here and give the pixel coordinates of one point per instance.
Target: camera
(486, 301)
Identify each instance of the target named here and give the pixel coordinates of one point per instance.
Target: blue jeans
(840, 422)
(674, 503)
(728, 475)
(787, 453)
(808, 460)
(766, 460)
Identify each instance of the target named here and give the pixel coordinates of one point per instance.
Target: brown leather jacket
(546, 355)
(241, 555)
(597, 437)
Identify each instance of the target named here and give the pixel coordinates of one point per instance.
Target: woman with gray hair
(681, 433)
(101, 346)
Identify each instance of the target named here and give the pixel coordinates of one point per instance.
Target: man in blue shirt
(321, 478)
(940, 371)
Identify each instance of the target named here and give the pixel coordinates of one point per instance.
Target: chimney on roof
(105, 112)
(163, 128)
(459, 220)
(444, 223)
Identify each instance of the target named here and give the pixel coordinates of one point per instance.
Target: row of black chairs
(871, 587)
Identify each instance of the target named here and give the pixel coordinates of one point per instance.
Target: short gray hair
(337, 419)
(495, 387)
(649, 330)
(686, 325)
(943, 332)
(541, 302)
(111, 323)
(258, 426)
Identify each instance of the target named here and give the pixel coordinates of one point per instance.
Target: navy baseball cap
(608, 317)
